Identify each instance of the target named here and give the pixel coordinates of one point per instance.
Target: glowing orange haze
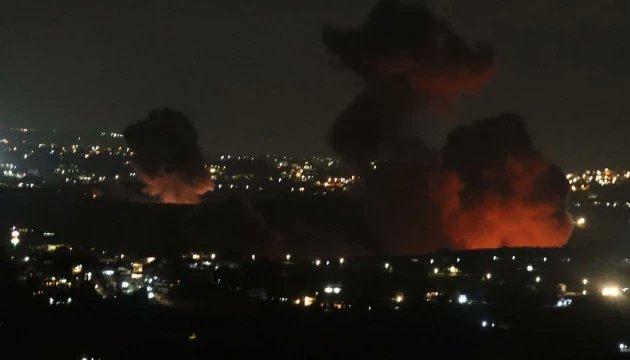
(514, 218)
(172, 189)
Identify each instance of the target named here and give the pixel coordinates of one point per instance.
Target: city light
(77, 269)
(287, 257)
(537, 279)
(308, 301)
(462, 299)
(108, 272)
(612, 291)
(580, 222)
(15, 239)
(584, 281)
(530, 268)
(341, 261)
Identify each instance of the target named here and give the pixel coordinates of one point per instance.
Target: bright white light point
(537, 279)
(488, 276)
(495, 258)
(545, 259)
(288, 257)
(399, 298)
(15, 233)
(386, 265)
(462, 299)
(150, 295)
(124, 284)
(253, 257)
(484, 323)
(513, 257)
(213, 256)
(530, 268)
(436, 270)
(342, 260)
(336, 290)
(611, 291)
(581, 221)
(150, 259)
(328, 289)
(431, 261)
(318, 262)
(15, 241)
(458, 259)
(584, 281)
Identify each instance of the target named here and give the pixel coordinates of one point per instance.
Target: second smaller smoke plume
(168, 158)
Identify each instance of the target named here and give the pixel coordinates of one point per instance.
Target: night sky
(256, 78)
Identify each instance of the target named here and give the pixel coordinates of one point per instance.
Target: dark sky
(255, 77)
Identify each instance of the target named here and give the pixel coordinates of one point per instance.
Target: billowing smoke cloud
(489, 188)
(168, 158)
(408, 58)
(496, 190)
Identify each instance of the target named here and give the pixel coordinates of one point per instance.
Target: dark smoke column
(408, 59)
(168, 158)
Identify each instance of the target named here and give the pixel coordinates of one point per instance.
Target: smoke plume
(496, 190)
(168, 158)
(487, 188)
(408, 58)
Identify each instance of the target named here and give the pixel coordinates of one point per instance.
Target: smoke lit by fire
(486, 188)
(168, 158)
(495, 190)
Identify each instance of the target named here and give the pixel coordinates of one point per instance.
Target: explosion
(168, 158)
(495, 190)
(486, 188)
